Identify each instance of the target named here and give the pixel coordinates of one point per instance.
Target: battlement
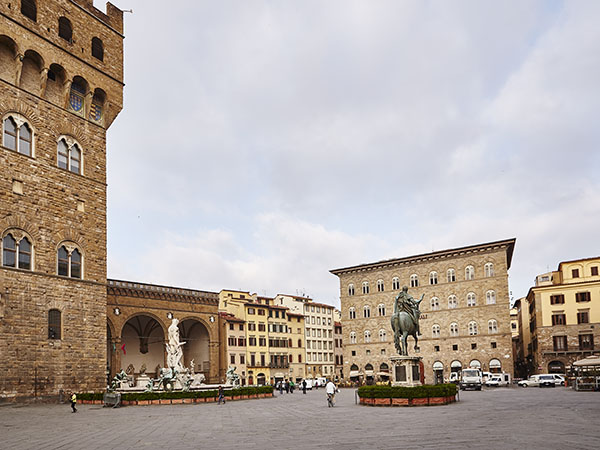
(113, 16)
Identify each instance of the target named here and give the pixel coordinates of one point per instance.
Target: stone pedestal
(142, 381)
(405, 370)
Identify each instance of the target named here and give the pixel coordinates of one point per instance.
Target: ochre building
(61, 87)
(465, 318)
(561, 317)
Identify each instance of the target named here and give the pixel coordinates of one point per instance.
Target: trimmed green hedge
(134, 396)
(424, 391)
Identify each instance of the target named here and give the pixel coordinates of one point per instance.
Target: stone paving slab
(502, 418)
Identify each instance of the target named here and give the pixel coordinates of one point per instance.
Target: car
(558, 379)
(543, 380)
(493, 381)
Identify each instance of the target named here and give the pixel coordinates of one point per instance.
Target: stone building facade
(139, 316)
(465, 318)
(61, 87)
(234, 340)
(561, 317)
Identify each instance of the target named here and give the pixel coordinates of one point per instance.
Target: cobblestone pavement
(502, 418)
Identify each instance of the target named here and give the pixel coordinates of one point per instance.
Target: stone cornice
(507, 244)
(141, 290)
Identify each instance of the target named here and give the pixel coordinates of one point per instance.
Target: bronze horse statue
(404, 325)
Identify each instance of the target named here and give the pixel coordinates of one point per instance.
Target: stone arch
(142, 341)
(55, 85)
(23, 224)
(69, 235)
(557, 366)
(196, 334)
(8, 58)
(31, 72)
(12, 106)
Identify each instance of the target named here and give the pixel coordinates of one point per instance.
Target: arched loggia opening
(195, 335)
(142, 344)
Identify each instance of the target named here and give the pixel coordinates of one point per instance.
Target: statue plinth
(406, 370)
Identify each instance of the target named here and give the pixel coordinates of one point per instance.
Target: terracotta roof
(230, 317)
(134, 289)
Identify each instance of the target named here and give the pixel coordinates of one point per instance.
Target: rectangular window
(473, 346)
(493, 344)
(231, 341)
(262, 360)
(232, 359)
(558, 319)
(241, 327)
(250, 310)
(231, 326)
(252, 341)
(583, 317)
(594, 271)
(251, 326)
(242, 359)
(582, 297)
(261, 312)
(586, 342)
(436, 348)
(560, 343)
(54, 324)
(253, 360)
(455, 347)
(575, 273)
(557, 299)
(261, 327)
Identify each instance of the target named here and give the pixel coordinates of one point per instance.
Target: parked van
(498, 379)
(309, 383)
(321, 382)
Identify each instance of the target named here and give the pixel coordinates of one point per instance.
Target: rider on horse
(405, 302)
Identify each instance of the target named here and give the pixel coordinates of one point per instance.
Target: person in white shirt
(330, 389)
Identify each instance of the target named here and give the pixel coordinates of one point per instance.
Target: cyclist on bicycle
(330, 389)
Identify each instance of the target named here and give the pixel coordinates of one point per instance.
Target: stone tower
(61, 87)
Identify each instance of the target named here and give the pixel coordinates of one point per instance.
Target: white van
(309, 383)
(471, 379)
(498, 379)
(321, 382)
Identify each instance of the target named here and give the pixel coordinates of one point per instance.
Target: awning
(383, 374)
(495, 364)
(438, 366)
(369, 373)
(456, 364)
(355, 373)
(279, 375)
(593, 360)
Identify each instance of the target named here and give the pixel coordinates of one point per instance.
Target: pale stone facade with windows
(561, 316)
(465, 311)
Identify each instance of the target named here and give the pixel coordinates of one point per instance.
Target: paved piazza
(511, 418)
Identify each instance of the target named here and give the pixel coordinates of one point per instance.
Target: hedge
(424, 391)
(134, 396)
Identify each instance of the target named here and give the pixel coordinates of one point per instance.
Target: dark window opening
(65, 30)
(97, 49)
(29, 9)
(54, 324)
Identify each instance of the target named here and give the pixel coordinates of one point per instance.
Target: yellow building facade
(563, 314)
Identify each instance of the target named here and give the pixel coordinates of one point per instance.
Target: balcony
(279, 366)
(257, 365)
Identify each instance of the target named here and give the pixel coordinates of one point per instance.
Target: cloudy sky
(263, 143)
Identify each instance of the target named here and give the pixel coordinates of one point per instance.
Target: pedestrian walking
(221, 396)
(287, 387)
(73, 402)
(292, 386)
(281, 388)
(304, 386)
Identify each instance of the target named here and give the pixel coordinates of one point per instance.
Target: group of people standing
(286, 385)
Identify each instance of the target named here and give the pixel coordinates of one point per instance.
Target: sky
(264, 143)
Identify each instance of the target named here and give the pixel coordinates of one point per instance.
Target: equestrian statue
(405, 320)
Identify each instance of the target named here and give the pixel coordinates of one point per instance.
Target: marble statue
(233, 379)
(174, 350)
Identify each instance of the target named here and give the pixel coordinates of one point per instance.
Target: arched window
(490, 298)
(365, 287)
(353, 367)
(69, 262)
(65, 30)
(414, 280)
(54, 324)
(350, 289)
(395, 283)
(381, 309)
(69, 155)
(475, 364)
(367, 336)
(472, 328)
(380, 286)
(469, 272)
(451, 275)
(97, 49)
(352, 337)
(495, 365)
(492, 326)
(488, 269)
(453, 329)
(435, 331)
(366, 311)
(435, 303)
(17, 135)
(352, 312)
(16, 252)
(383, 367)
(29, 9)
(299, 344)
(452, 301)
(382, 335)
(433, 278)
(471, 299)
